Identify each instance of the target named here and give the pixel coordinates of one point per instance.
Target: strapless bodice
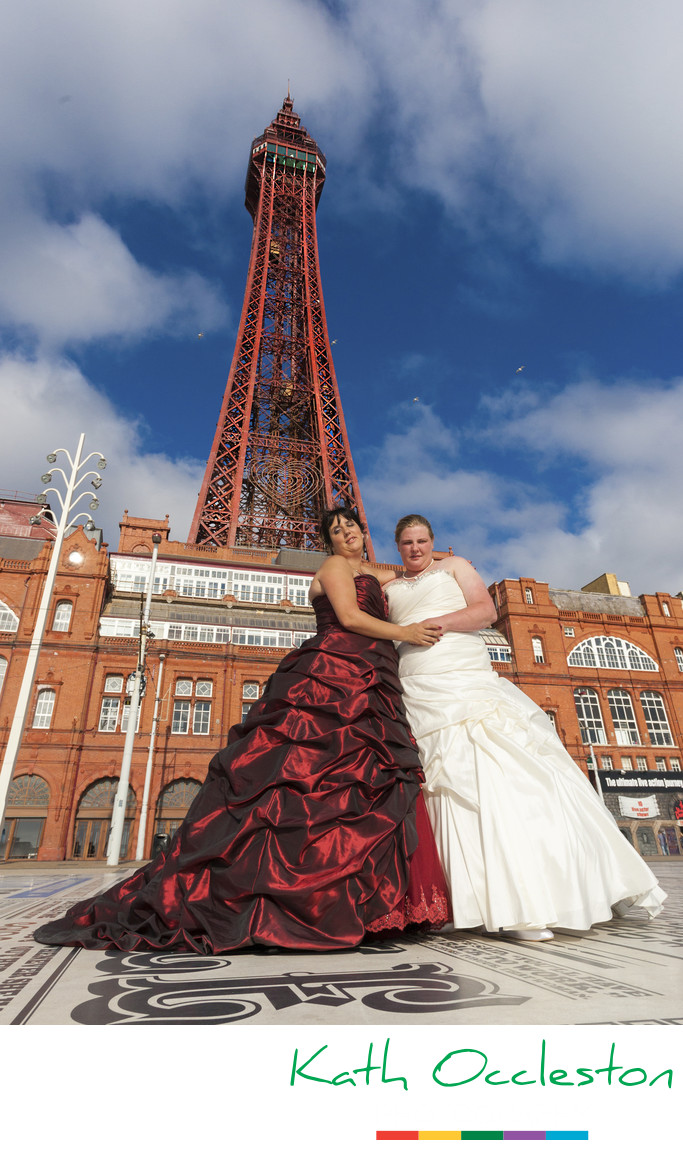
(434, 593)
(370, 598)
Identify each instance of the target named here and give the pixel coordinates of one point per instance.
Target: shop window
(647, 843)
(655, 718)
(589, 715)
(62, 617)
(45, 703)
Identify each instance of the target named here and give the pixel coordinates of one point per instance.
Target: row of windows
(207, 583)
(625, 763)
(623, 717)
(199, 633)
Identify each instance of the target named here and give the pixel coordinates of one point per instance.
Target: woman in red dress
(305, 832)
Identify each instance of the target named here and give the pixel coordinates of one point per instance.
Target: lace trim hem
(429, 913)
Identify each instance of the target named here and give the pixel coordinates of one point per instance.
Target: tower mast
(281, 453)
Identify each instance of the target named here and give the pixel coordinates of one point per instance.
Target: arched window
(678, 652)
(44, 708)
(28, 791)
(28, 799)
(8, 620)
(173, 805)
(609, 651)
(589, 715)
(528, 595)
(3, 671)
(624, 719)
(537, 648)
(62, 615)
(93, 819)
(655, 717)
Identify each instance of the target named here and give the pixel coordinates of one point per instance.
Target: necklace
(412, 578)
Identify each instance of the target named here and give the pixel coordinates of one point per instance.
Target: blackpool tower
(281, 453)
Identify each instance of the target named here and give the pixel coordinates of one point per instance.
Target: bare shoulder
(454, 564)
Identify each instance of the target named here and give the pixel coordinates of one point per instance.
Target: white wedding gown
(523, 837)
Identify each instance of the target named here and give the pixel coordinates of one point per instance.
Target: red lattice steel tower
(281, 452)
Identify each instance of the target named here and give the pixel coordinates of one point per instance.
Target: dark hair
(412, 521)
(331, 514)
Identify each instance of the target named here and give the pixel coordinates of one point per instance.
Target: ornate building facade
(607, 667)
(226, 606)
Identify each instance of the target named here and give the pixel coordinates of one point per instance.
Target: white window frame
(61, 620)
(109, 713)
(537, 648)
(589, 714)
(180, 720)
(626, 733)
(678, 652)
(8, 620)
(612, 653)
(45, 705)
(656, 719)
(201, 718)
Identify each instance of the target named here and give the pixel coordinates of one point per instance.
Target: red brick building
(221, 619)
(607, 667)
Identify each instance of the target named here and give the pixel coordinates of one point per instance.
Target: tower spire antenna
(281, 452)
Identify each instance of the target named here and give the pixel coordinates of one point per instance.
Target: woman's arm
(480, 610)
(336, 580)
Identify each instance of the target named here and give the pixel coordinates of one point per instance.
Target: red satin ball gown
(302, 833)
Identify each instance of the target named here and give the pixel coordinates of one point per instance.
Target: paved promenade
(628, 971)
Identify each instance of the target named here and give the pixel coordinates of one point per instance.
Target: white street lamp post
(140, 852)
(120, 799)
(67, 504)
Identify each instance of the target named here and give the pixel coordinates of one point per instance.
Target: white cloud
(553, 123)
(568, 112)
(80, 282)
(49, 404)
(627, 517)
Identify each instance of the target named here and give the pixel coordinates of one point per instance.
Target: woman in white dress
(526, 843)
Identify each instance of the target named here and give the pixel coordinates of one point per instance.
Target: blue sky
(504, 189)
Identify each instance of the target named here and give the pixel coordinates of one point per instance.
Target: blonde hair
(412, 521)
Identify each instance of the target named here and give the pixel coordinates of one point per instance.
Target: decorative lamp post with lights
(138, 680)
(68, 502)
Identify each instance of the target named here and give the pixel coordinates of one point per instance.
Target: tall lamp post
(140, 852)
(120, 799)
(67, 502)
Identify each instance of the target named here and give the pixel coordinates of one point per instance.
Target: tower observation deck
(281, 453)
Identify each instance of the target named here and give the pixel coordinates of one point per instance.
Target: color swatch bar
(482, 1135)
